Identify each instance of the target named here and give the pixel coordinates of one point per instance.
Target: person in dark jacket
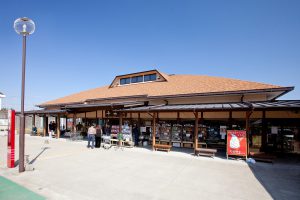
(136, 134)
(98, 136)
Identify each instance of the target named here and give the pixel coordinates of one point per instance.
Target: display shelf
(176, 133)
(114, 131)
(188, 133)
(127, 132)
(202, 133)
(164, 131)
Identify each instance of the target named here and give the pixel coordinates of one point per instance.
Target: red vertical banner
(11, 139)
(236, 143)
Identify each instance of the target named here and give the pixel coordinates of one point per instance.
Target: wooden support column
(248, 114)
(58, 126)
(45, 125)
(33, 120)
(264, 132)
(139, 120)
(230, 120)
(120, 122)
(97, 117)
(196, 131)
(153, 131)
(74, 123)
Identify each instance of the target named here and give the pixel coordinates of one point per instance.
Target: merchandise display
(176, 133)
(114, 131)
(202, 133)
(164, 131)
(188, 133)
(127, 132)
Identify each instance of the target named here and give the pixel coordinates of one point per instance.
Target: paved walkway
(68, 170)
(12, 191)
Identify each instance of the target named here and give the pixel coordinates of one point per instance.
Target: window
(150, 77)
(137, 79)
(124, 81)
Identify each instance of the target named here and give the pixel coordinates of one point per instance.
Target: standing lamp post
(23, 26)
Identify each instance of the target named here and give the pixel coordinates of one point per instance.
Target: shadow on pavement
(33, 160)
(281, 179)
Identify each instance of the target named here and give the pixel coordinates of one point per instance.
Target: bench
(162, 147)
(205, 152)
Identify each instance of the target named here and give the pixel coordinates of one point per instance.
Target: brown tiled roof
(175, 84)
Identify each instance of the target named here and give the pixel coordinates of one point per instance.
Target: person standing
(98, 136)
(91, 136)
(54, 129)
(50, 130)
(136, 135)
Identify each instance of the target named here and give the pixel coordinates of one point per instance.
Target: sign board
(236, 143)
(11, 139)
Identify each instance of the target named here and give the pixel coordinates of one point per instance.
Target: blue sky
(84, 44)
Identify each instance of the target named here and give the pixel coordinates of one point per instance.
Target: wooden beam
(45, 125)
(196, 131)
(120, 122)
(58, 126)
(264, 132)
(148, 114)
(97, 117)
(33, 120)
(74, 123)
(248, 114)
(139, 120)
(153, 131)
(230, 120)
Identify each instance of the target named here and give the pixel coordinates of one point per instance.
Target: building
(1, 96)
(175, 107)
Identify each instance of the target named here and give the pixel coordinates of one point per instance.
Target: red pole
(11, 139)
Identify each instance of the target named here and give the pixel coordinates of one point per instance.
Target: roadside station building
(185, 110)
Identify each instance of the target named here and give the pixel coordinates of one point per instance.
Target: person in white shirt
(91, 136)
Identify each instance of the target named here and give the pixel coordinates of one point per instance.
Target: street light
(23, 26)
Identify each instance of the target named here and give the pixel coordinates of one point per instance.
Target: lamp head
(24, 26)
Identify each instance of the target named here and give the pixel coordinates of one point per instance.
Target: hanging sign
(236, 143)
(11, 139)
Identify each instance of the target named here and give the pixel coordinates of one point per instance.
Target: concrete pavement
(69, 170)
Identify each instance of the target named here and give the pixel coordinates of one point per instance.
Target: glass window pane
(124, 81)
(150, 77)
(153, 77)
(146, 78)
(137, 79)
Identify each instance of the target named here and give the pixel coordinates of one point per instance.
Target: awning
(43, 112)
(273, 105)
(91, 107)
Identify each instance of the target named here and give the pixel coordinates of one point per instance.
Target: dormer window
(137, 79)
(124, 81)
(150, 77)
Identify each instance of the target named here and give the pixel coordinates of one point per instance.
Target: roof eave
(283, 89)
